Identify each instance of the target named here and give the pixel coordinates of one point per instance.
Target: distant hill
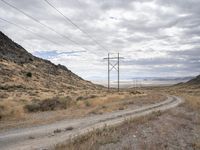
(21, 71)
(194, 81)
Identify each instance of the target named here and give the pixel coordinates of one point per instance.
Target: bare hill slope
(18, 67)
(195, 81)
(25, 79)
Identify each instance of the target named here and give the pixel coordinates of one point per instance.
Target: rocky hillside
(23, 75)
(191, 84)
(11, 51)
(195, 81)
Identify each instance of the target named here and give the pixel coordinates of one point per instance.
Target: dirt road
(47, 136)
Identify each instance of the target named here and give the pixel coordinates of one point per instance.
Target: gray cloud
(155, 36)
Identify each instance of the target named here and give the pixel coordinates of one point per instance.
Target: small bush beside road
(49, 104)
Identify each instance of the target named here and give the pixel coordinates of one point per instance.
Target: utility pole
(133, 80)
(118, 72)
(113, 67)
(135, 84)
(108, 71)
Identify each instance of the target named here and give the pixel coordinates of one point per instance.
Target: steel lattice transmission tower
(111, 67)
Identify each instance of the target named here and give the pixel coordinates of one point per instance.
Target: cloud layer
(156, 37)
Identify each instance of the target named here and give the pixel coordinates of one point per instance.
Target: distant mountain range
(151, 81)
(187, 78)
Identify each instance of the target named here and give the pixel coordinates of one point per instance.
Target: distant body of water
(146, 82)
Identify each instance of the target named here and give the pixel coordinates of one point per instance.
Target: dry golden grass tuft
(196, 145)
(106, 135)
(192, 101)
(92, 139)
(190, 95)
(11, 109)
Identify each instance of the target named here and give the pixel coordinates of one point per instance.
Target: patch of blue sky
(54, 53)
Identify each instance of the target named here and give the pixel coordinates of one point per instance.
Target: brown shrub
(49, 104)
(87, 103)
(33, 107)
(29, 74)
(135, 92)
(80, 98)
(1, 111)
(86, 97)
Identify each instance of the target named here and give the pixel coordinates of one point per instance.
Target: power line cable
(21, 27)
(41, 23)
(46, 26)
(75, 25)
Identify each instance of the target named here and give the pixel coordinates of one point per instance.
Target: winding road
(47, 136)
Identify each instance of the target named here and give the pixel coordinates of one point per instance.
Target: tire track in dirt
(47, 136)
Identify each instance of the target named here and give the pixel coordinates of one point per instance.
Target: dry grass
(54, 103)
(106, 135)
(113, 135)
(101, 100)
(10, 109)
(168, 130)
(196, 145)
(192, 102)
(190, 95)
(100, 103)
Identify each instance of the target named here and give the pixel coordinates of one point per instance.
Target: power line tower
(113, 66)
(134, 84)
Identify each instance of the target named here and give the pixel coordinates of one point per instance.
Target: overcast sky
(156, 37)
